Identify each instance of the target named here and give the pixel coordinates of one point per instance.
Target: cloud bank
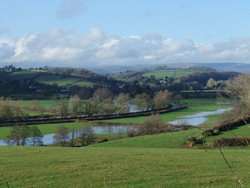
(58, 48)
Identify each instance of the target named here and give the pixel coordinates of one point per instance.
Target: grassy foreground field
(131, 167)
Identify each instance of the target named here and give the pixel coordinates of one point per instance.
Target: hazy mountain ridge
(237, 67)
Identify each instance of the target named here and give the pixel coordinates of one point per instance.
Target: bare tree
(25, 134)
(162, 99)
(178, 97)
(211, 83)
(14, 138)
(62, 105)
(21, 135)
(122, 99)
(62, 135)
(74, 135)
(87, 136)
(143, 102)
(91, 107)
(75, 105)
(101, 94)
(36, 136)
(238, 88)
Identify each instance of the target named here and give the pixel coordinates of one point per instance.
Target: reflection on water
(198, 118)
(105, 129)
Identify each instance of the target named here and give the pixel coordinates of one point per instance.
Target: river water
(193, 119)
(104, 129)
(197, 118)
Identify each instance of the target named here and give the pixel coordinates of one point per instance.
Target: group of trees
(161, 99)
(10, 110)
(152, 125)
(13, 110)
(22, 135)
(101, 103)
(69, 137)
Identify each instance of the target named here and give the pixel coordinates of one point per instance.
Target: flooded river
(104, 129)
(192, 119)
(197, 118)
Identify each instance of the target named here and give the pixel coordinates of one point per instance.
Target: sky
(89, 33)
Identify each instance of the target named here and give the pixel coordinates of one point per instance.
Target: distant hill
(237, 67)
(116, 69)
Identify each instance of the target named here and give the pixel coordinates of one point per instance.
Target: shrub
(153, 125)
(131, 133)
(103, 140)
(232, 142)
(207, 132)
(191, 140)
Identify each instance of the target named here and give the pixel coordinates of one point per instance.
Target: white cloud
(70, 8)
(58, 48)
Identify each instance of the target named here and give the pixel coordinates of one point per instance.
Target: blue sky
(83, 33)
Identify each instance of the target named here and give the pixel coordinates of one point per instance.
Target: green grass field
(146, 161)
(204, 100)
(44, 103)
(51, 79)
(169, 73)
(164, 140)
(84, 83)
(62, 81)
(23, 74)
(131, 167)
(241, 131)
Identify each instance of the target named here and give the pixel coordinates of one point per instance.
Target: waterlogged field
(120, 167)
(192, 109)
